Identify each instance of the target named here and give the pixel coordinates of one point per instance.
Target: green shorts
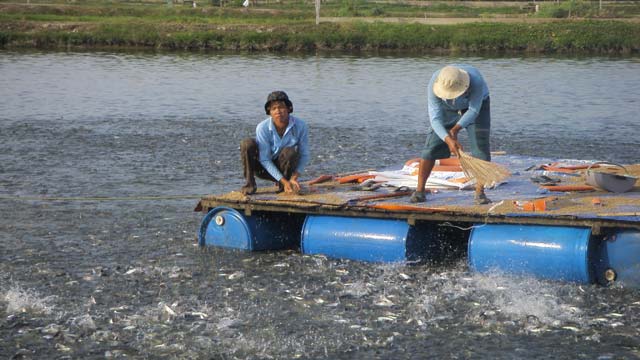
(435, 148)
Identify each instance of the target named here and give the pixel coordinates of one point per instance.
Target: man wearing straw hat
(280, 150)
(458, 97)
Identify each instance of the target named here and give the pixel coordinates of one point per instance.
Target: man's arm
(436, 114)
(476, 96)
(303, 148)
(263, 139)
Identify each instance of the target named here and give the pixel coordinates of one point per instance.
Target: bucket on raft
(550, 252)
(610, 182)
(226, 227)
(377, 240)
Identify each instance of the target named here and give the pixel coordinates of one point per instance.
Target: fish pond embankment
(215, 28)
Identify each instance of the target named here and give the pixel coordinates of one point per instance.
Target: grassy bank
(214, 28)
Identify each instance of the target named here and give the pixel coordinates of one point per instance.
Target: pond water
(122, 276)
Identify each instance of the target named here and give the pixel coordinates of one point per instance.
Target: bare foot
(418, 197)
(248, 189)
(481, 199)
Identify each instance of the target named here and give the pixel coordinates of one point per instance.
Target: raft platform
(544, 221)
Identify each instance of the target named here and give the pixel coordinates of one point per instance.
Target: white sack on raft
(437, 180)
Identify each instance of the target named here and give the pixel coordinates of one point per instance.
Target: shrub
(572, 8)
(376, 11)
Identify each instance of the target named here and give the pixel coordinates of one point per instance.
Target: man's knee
(287, 161)
(289, 153)
(482, 151)
(480, 143)
(248, 144)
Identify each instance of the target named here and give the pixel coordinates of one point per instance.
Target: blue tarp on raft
(520, 187)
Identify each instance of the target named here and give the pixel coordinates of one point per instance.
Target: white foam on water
(356, 289)
(522, 297)
(225, 329)
(495, 298)
(20, 300)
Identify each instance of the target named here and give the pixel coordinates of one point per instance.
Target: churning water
(121, 276)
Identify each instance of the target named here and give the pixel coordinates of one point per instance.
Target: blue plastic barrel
(619, 259)
(226, 227)
(549, 252)
(366, 239)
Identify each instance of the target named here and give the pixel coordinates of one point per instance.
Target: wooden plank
(457, 216)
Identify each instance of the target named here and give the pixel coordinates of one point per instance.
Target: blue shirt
(444, 114)
(270, 144)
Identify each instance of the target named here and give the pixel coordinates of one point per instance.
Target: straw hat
(451, 83)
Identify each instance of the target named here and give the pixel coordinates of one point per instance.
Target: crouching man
(280, 150)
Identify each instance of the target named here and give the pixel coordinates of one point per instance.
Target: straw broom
(485, 172)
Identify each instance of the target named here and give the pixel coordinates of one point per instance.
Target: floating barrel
(382, 240)
(619, 259)
(550, 252)
(226, 227)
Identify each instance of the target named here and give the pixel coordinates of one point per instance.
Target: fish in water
(383, 301)
(236, 275)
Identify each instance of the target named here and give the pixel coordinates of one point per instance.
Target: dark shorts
(435, 148)
(286, 162)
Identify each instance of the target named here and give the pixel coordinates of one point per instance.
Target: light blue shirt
(445, 113)
(270, 144)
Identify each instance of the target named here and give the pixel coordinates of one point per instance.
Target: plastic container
(549, 252)
(610, 182)
(226, 227)
(367, 239)
(619, 259)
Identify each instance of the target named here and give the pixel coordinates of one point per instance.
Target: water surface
(91, 279)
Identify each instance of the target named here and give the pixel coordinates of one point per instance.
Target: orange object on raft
(320, 179)
(355, 178)
(535, 204)
(450, 164)
(452, 168)
(557, 167)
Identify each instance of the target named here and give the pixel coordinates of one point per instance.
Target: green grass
(588, 9)
(291, 27)
(333, 8)
(583, 37)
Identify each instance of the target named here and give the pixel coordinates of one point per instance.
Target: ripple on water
(126, 278)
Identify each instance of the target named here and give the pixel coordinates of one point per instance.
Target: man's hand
(290, 186)
(295, 185)
(453, 132)
(454, 145)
